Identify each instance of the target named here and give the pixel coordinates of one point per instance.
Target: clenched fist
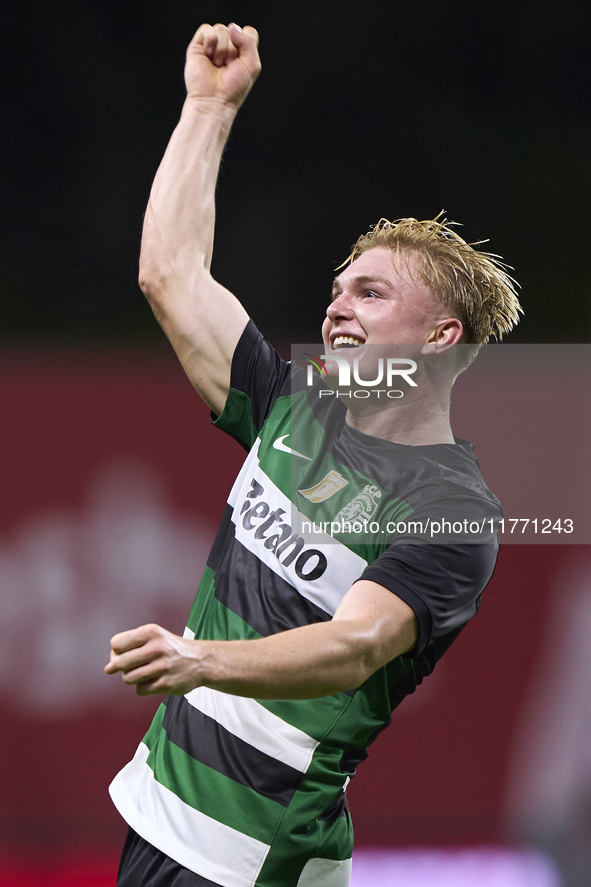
(156, 661)
(222, 64)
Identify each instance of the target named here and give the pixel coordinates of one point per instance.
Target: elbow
(145, 279)
(155, 268)
(373, 648)
(153, 285)
(147, 286)
(364, 659)
(148, 278)
(150, 291)
(366, 666)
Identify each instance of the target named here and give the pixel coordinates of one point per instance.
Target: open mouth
(346, 342)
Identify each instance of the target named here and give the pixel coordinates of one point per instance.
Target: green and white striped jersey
(251, 792)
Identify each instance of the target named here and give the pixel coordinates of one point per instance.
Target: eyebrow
(361, 280)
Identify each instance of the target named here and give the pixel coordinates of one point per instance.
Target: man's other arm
(202, 319)
(370, 628)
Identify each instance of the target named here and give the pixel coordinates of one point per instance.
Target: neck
(419, 421)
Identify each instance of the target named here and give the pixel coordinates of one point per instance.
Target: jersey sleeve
(258, 377)
(442, 559)
(442, 584)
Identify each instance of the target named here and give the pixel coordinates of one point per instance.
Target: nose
(340, 307)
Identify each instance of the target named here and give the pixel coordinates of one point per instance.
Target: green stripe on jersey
(315, 717)
(294, 843)
(153, 734)
(213, 793)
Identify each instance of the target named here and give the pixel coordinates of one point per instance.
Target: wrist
(203, 659)
(211, 107)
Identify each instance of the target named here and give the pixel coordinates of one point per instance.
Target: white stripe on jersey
(328, 872)
(251, 462)
(196, 841)
(250, 721)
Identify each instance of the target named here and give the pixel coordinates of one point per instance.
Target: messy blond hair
(471, 283)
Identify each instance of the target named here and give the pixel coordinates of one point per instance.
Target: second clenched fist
(222, 63)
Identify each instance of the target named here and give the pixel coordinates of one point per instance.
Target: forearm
(202, 319)
(303, 663)
(370, 628)
(177, 240)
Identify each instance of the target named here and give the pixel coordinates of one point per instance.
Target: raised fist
(222, 63)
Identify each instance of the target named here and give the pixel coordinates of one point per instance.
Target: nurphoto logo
(387, 371)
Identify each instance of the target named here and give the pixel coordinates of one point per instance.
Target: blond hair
(473, 284)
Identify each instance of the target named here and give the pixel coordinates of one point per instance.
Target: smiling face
(376, 301)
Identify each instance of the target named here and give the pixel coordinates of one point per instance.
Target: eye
(371, 293)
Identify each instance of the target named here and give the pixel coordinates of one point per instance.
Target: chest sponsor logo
(276, 535)
(324, 489)
(362, 507)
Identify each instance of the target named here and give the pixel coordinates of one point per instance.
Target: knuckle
(204, 32)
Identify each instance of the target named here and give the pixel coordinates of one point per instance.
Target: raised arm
(202, 319)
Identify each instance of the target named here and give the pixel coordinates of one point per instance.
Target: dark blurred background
(111, 481)
(362, 111)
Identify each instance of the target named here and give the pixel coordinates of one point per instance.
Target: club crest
(362, 507)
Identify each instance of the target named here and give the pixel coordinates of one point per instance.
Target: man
(299, 645)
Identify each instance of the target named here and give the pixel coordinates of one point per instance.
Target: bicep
(386, 625)
(204, 326)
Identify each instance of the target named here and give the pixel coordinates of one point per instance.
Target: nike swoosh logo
(279, 445)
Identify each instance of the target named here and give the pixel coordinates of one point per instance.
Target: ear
(446, 334)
